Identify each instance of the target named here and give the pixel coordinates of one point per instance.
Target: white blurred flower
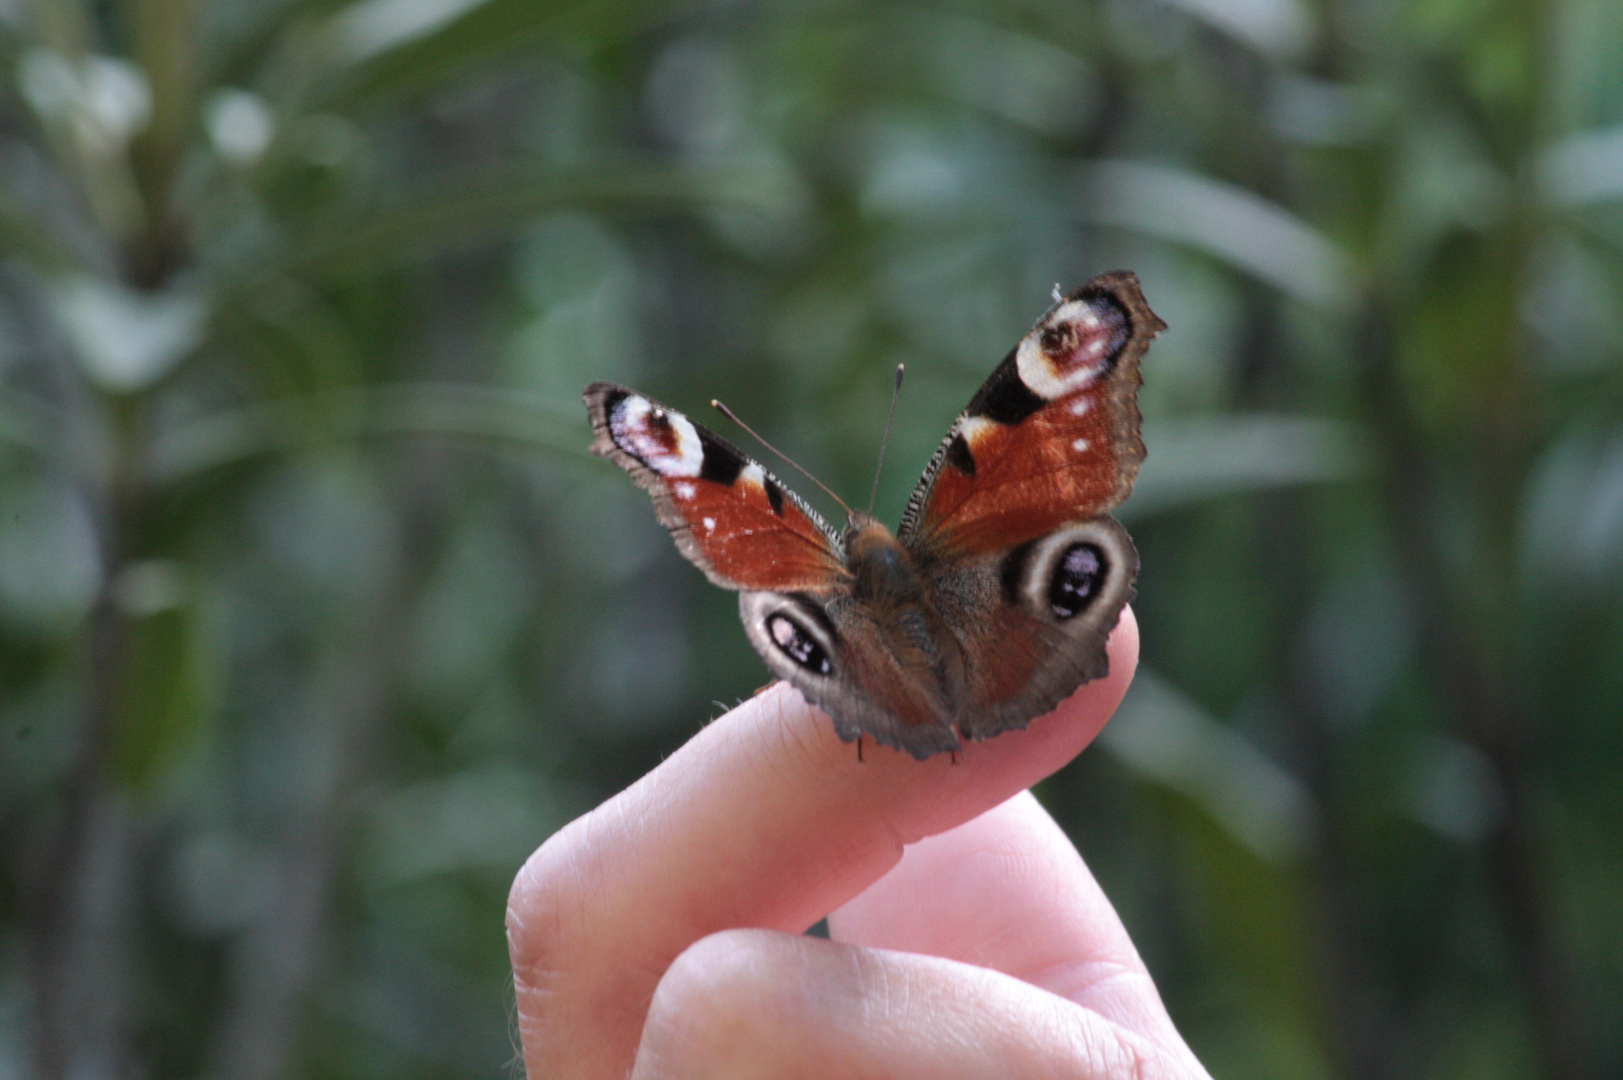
(240, 125)
(128, 340)
(107, 101)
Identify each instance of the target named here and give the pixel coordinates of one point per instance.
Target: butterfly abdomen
(895, 593)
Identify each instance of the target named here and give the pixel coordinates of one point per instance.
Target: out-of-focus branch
(1365, 1045)
(80, 903)
(280, 957)
(1480, 692)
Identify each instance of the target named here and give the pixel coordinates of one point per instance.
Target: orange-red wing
(728, 515)
(1053, 435)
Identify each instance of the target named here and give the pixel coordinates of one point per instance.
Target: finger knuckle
(549, 903)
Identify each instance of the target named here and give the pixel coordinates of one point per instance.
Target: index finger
(764, 819)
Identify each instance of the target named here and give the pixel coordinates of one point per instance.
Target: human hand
(662, 935)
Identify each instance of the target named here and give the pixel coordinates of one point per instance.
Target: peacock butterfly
(992, 602)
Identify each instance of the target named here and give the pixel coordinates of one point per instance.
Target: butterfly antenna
(729, 414)
(884, 441)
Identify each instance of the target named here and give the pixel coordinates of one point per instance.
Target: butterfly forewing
(727, 514)
(1053, 435)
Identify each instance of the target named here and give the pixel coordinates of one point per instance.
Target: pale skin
(662, 935)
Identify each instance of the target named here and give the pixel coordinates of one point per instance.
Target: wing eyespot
(797, 644)
(1074, 582)
(1074, 572)
(1012, 575)
(1057, 339)
(793, 634)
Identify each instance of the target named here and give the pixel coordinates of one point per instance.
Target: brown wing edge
(1125, 381)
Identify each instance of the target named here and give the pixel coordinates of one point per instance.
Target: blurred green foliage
(315, 618)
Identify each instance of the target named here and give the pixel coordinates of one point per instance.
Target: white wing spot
(709, 524)
(684, 490)
(974, 428)
(1079, 445)
(1080, 407)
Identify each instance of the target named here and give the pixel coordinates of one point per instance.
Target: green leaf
(1164, 736)
(164, 699)
(403, 50)
(1192, 460)
(464, 412)
(1229, 223)
(494, 205)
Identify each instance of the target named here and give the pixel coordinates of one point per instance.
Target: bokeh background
(316, 618)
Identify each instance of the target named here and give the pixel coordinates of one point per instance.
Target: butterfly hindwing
(730, 517)
(1008, 636)
(1035, 618)
(852, 665)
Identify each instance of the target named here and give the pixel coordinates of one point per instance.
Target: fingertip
(1006, 890)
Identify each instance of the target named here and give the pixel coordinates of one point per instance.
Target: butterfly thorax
(881, 569)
